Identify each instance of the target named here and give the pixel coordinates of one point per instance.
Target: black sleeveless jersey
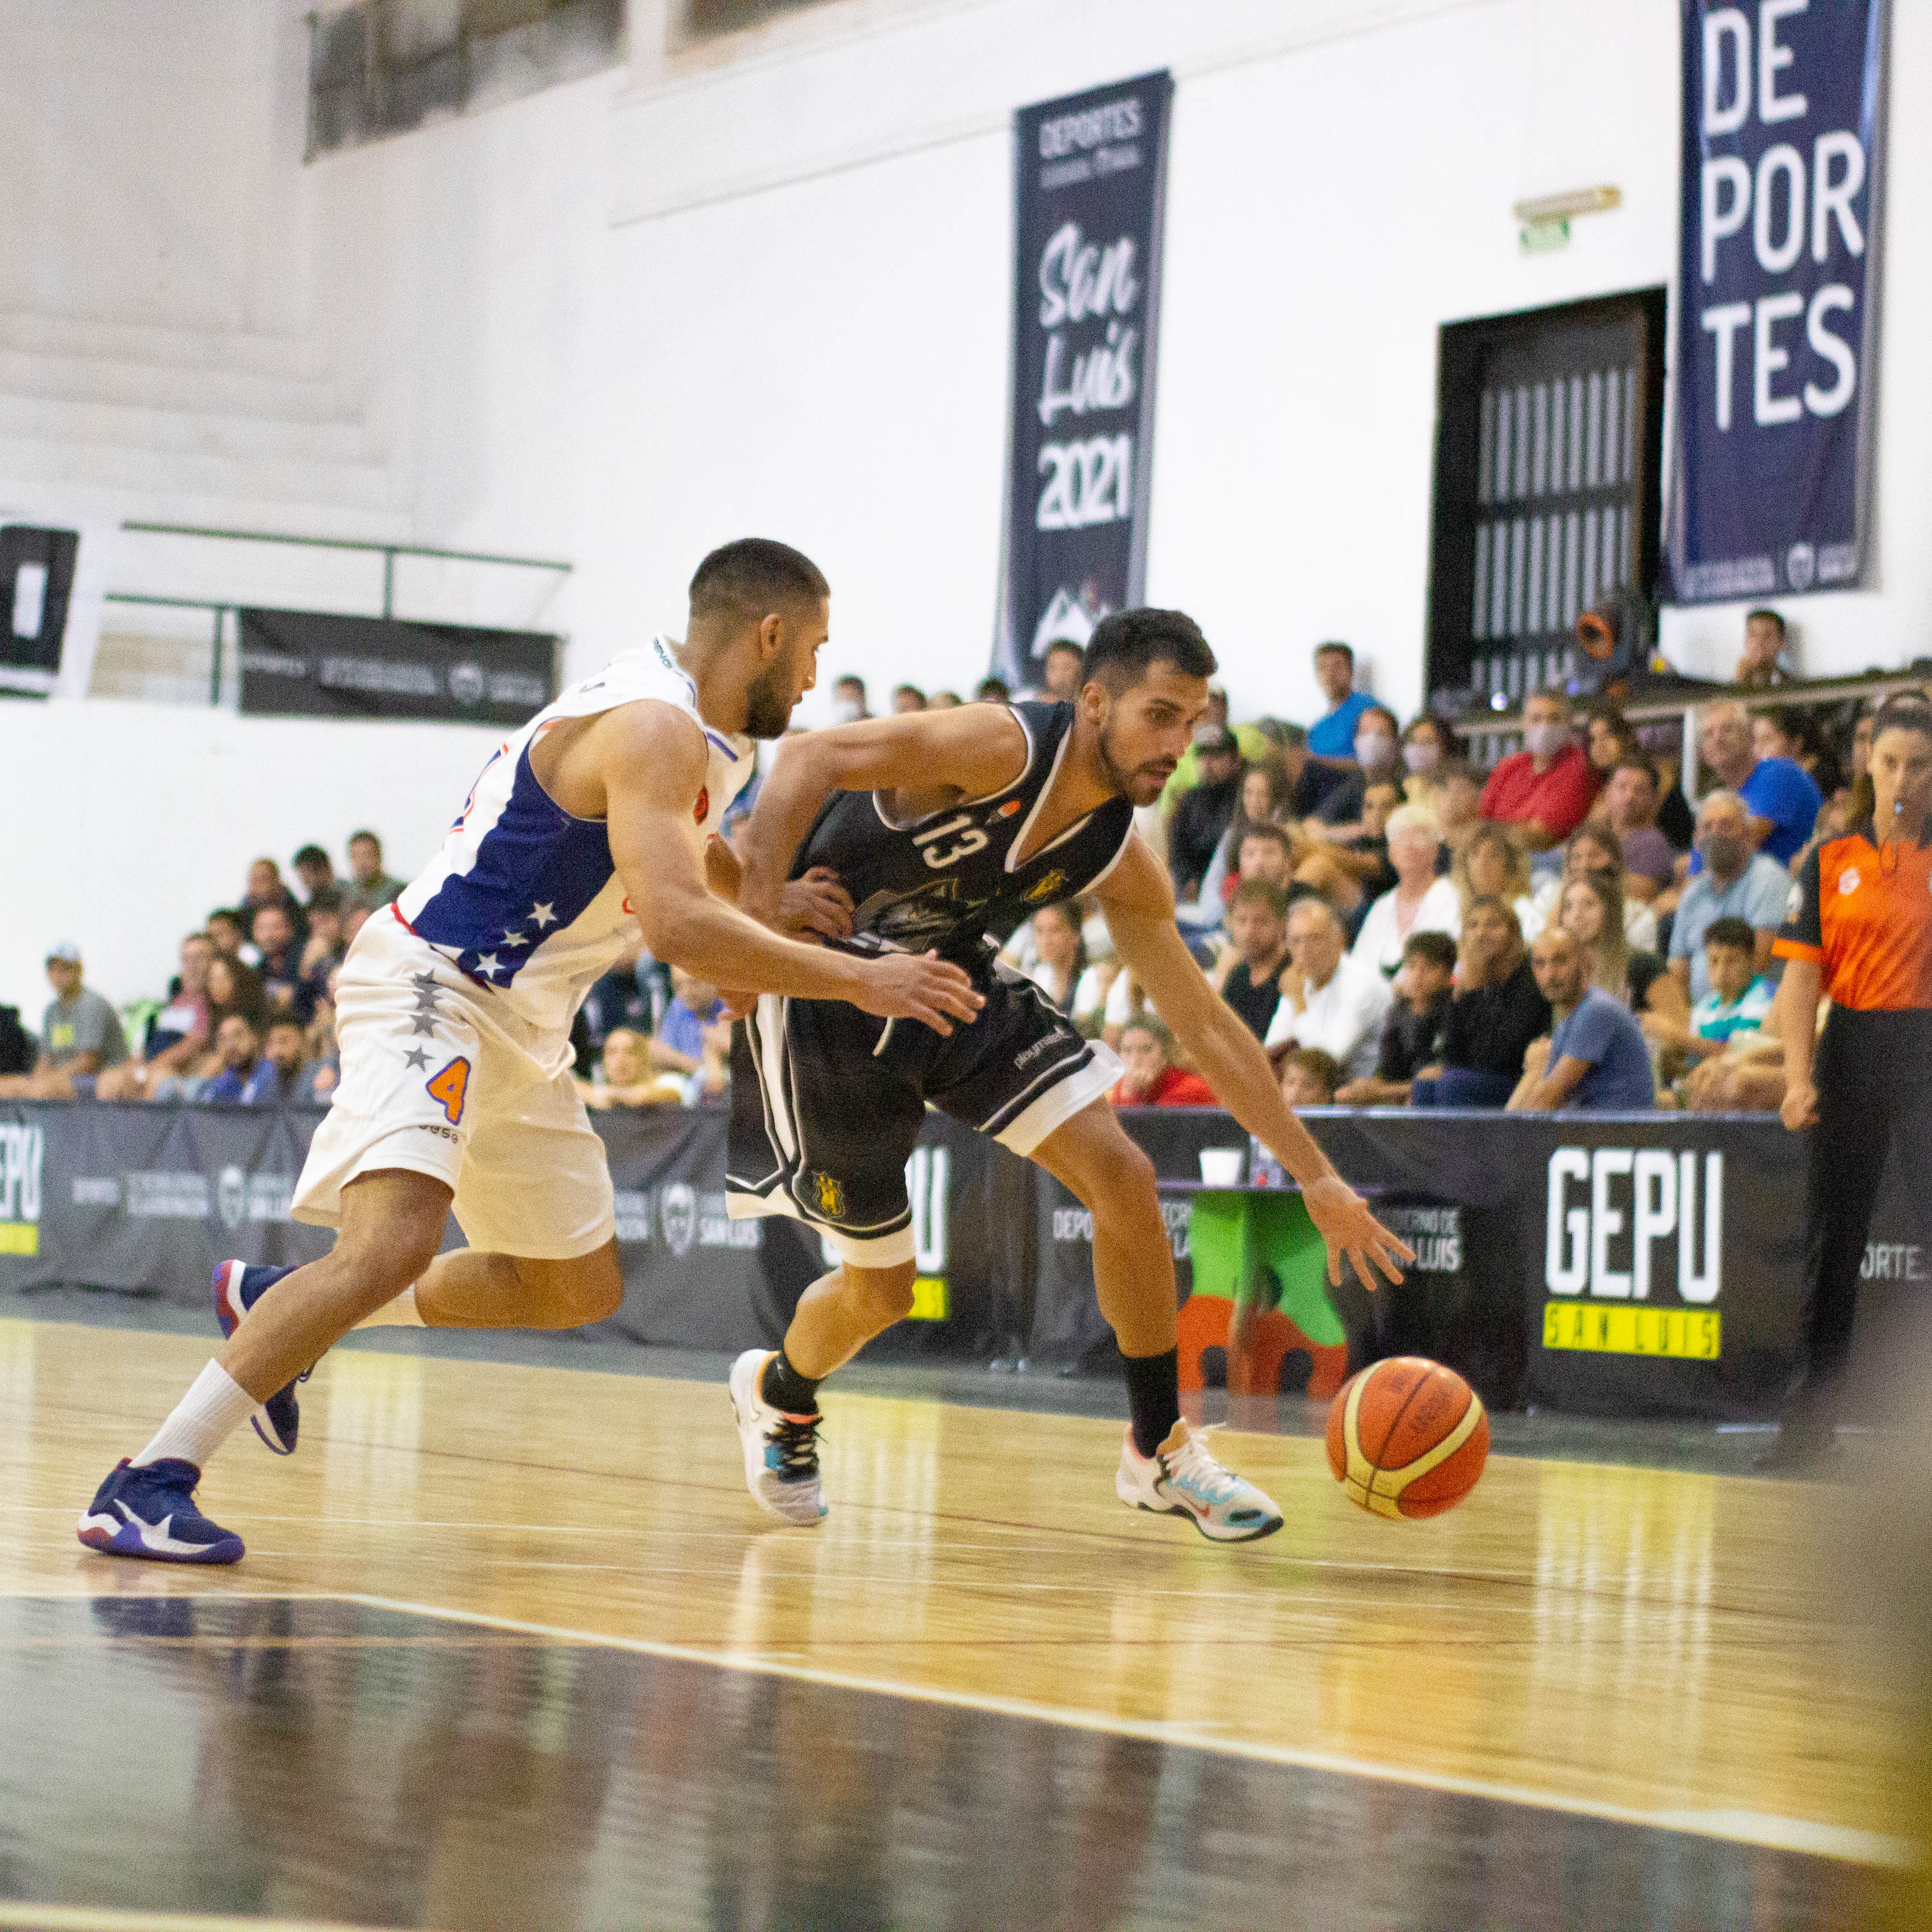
(947, 882)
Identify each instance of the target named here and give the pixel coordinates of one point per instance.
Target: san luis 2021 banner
(1090, 173)
(1776, 296)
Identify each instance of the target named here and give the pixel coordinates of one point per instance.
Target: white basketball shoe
(781, 1450)
(1180, 1478)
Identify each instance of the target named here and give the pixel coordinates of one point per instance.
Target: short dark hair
(1379, 711)
(1327, 1069)
(311, 855)
(357, 838)
(1155, 1027)
(1438, 948)
(1335, 644)
(848, 677)
(1275, 835)
(1127, 644)
(745, 579)
(1639, 761)
(991, 690)
(1065, 644)
(1258, 892)
(1770, 617)
(231, 914)
(1731, 931)
(1905, 712)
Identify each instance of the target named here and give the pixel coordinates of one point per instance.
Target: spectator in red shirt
(1152, 1079)
(1546, 791)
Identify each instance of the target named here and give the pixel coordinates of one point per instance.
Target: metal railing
(1505, 729)
(388, 552)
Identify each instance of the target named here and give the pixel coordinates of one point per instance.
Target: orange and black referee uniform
(1864, 912)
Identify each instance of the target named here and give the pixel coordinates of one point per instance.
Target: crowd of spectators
(1396, 927)
(1567, 930)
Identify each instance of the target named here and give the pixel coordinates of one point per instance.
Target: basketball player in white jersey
(454, 1017)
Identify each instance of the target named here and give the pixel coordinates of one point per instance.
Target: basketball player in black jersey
(946, 828)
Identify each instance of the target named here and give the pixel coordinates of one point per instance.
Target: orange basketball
(1407, 1437)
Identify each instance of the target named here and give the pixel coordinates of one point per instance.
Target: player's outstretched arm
(1139, 905)
(971, 750)
(651, 761)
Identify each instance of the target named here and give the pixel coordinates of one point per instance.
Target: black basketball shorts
(826, 1102)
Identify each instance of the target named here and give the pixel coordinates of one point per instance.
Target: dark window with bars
(1548, 453)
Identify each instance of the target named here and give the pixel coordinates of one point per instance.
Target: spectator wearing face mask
(1734, 883)
(1545, 790)
(1378, 754)
(1428, 746)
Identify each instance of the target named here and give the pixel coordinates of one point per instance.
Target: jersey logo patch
(1053, 886)
(1012, 805)
(1849, 881)
(703, 804)
(828, 1195)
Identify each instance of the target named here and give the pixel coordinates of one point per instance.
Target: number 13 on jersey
(971, 840)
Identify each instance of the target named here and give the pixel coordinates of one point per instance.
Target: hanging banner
(309, 663)
(1090, 174)
(1777, 297)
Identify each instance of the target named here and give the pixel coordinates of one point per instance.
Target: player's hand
(917, 986)
(817, 903)
(1343, 1219)
(1801, 1106)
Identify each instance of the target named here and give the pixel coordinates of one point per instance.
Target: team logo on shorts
(1053, 886)
(829, 1195)
(1848, 881)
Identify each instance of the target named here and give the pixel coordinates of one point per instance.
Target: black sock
(1153, 1397)
(784, 1388)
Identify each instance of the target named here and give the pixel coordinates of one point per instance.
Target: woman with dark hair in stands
(1859, 935)
(1609, 738)
(1497, 1011)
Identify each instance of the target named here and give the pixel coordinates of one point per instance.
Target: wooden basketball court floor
(512, 1649)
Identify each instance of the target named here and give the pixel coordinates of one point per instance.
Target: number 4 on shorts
(449, 1087)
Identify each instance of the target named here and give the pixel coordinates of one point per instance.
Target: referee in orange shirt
(1859, 932)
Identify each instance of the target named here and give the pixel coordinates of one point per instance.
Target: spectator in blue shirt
(1598, 1058)
(1781, 795)
(695, 1007)
(1734, 883)
(1333, 736)
(245, 1077)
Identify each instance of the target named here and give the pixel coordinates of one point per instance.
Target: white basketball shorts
(436, 1081)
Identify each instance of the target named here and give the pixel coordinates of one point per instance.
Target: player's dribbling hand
(1343, 1219)
(817, 903)
(917, 986)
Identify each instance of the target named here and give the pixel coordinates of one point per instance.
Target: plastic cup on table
(1221, 1167)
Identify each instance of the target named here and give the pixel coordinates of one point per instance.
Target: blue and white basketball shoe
(781, 1450)
(1181, 1478)
(237, 1289)
(149, 1512)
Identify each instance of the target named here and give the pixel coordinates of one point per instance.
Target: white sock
(204, 1418)
(402, 1312)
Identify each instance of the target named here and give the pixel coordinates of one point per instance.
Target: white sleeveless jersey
(523, 897)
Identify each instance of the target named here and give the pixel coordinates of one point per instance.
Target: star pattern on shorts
(416, 1057)
(543, 915)
(514, 939)
(428, 985)
(423, 1024)
(487, 963)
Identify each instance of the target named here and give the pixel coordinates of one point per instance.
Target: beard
(1140, 784)
(768, 703)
